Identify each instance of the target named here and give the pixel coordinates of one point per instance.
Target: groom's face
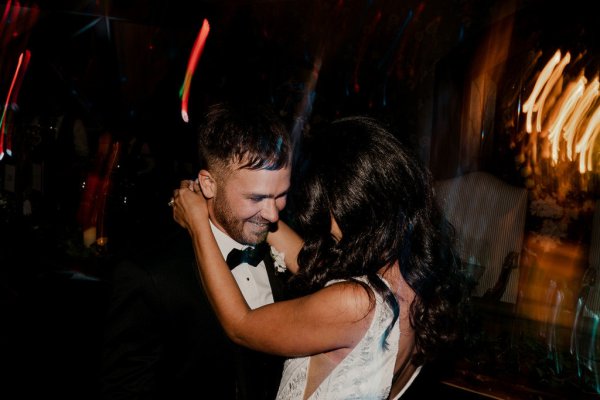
(246, 202)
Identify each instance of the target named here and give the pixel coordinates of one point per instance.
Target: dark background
(119, 65)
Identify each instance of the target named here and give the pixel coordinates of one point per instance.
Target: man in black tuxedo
(162, 340)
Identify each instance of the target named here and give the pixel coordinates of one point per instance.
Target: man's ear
(208, 185)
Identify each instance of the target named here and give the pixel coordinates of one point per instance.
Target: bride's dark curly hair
(359, 173)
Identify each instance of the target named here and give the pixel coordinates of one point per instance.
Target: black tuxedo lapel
(259, 374)
(276, 279)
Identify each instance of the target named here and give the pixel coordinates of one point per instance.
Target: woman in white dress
(377, 286)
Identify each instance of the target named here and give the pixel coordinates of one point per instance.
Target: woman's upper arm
(334, 317)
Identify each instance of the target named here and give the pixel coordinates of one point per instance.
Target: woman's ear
(207, 183)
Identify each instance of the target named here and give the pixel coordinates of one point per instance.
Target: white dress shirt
(252, 281)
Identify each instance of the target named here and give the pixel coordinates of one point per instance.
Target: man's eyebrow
(258, 196)
(268, 196)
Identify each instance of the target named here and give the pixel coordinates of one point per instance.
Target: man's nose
(270, 212)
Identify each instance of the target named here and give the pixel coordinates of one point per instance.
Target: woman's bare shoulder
(349, 298)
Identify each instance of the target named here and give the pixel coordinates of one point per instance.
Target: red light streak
(16, 78)
(192, 63)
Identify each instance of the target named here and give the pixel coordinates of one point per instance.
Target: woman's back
(365, 371)
(405, 371)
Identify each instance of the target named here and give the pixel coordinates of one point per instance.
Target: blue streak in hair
(396, 309)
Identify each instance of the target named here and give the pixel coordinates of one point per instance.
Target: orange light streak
(573, 93)
(583, 146)
(577, 116)
(192, 63)
(550, 84)
(567, 115)
(543, 78)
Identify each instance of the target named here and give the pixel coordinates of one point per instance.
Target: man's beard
(233, 226)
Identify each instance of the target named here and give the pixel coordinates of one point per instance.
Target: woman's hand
(189, 205)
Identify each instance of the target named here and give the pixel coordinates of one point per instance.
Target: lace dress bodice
(365, 373)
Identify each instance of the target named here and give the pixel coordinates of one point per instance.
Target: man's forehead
(254, 162)
(246, 163)
(258, 182)
(245, 171)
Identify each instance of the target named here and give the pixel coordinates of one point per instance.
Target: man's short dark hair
(252, 135)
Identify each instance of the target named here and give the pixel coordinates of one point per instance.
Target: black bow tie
(251, 255)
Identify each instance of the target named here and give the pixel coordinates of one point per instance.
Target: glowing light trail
(528, 105)
(184, 93)
(573, 93)
(567, 115)
(7, 102)
(550, 84)
(577, 116)
(583, 146)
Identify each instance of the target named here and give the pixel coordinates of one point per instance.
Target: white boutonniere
(278, 260)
